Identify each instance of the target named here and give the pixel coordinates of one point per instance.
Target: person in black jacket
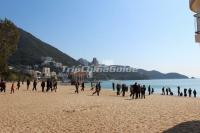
(83, 86)
(149, 90)
(118, 89)
(179, 90)
(143, 90)
(113, 86)
(190, 92)
(123, 90)
(34, 85)
(43, 85)
(28, 84)
(77, 87)
(3, 86)
(185, 92)
(18, 85)
(195, 93)
(98, 89)
(48, 85)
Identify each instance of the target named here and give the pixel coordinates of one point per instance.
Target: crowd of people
(185, 93)
(49, 84)
(96, 85)
(136, 90)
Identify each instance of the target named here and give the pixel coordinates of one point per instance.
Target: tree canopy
(9, 37)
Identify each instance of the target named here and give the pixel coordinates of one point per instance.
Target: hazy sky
(149, 34)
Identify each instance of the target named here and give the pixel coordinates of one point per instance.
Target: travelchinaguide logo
(99, 69)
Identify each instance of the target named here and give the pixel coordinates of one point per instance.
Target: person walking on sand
(82, 86)
(135, 95)
(163, 91)
(3, 86)
(43, 85)
(143, 90)
(118, 89)
(195, 93)
(55, 85)
(18, 85)
(149, 90)
(51, 85)
(139, 90)
(167, 91)
(77, 87)
(123, 90)
(48, 85)
(113, 86)
(131, 92)
(28, 84)
(185, 92)
(12, 88)
(179, 90)
(34, 85)
(190, 92)
(92, 86)
(152, 90)
(98, 89)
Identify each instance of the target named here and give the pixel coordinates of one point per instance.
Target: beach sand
(63, 111)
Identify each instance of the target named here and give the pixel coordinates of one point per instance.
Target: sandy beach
(63, 111)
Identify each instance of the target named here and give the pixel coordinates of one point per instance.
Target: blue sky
(149, 34)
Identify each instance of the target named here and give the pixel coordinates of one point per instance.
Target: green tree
(9, 37)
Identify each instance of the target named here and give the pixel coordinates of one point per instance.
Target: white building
(46, 72)
(35, 74)
(58, 65)
(53, 74)
(90, 74)
(64, 68)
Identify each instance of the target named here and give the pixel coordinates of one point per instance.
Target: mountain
(139, 75)
(158, 75)
(31, 49)
(84, 62)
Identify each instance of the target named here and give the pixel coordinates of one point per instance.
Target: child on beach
(12, 88)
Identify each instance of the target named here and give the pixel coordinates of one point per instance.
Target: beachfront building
(54, 75)
(79, 76)
(195, 7)
(58, 65)
(34, 74)
(46, 72)
(64, 68)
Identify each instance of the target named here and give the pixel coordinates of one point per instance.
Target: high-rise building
(95, 62)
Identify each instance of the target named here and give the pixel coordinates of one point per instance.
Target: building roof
(195, 5)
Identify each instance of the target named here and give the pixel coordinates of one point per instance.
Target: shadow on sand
(186, 127)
